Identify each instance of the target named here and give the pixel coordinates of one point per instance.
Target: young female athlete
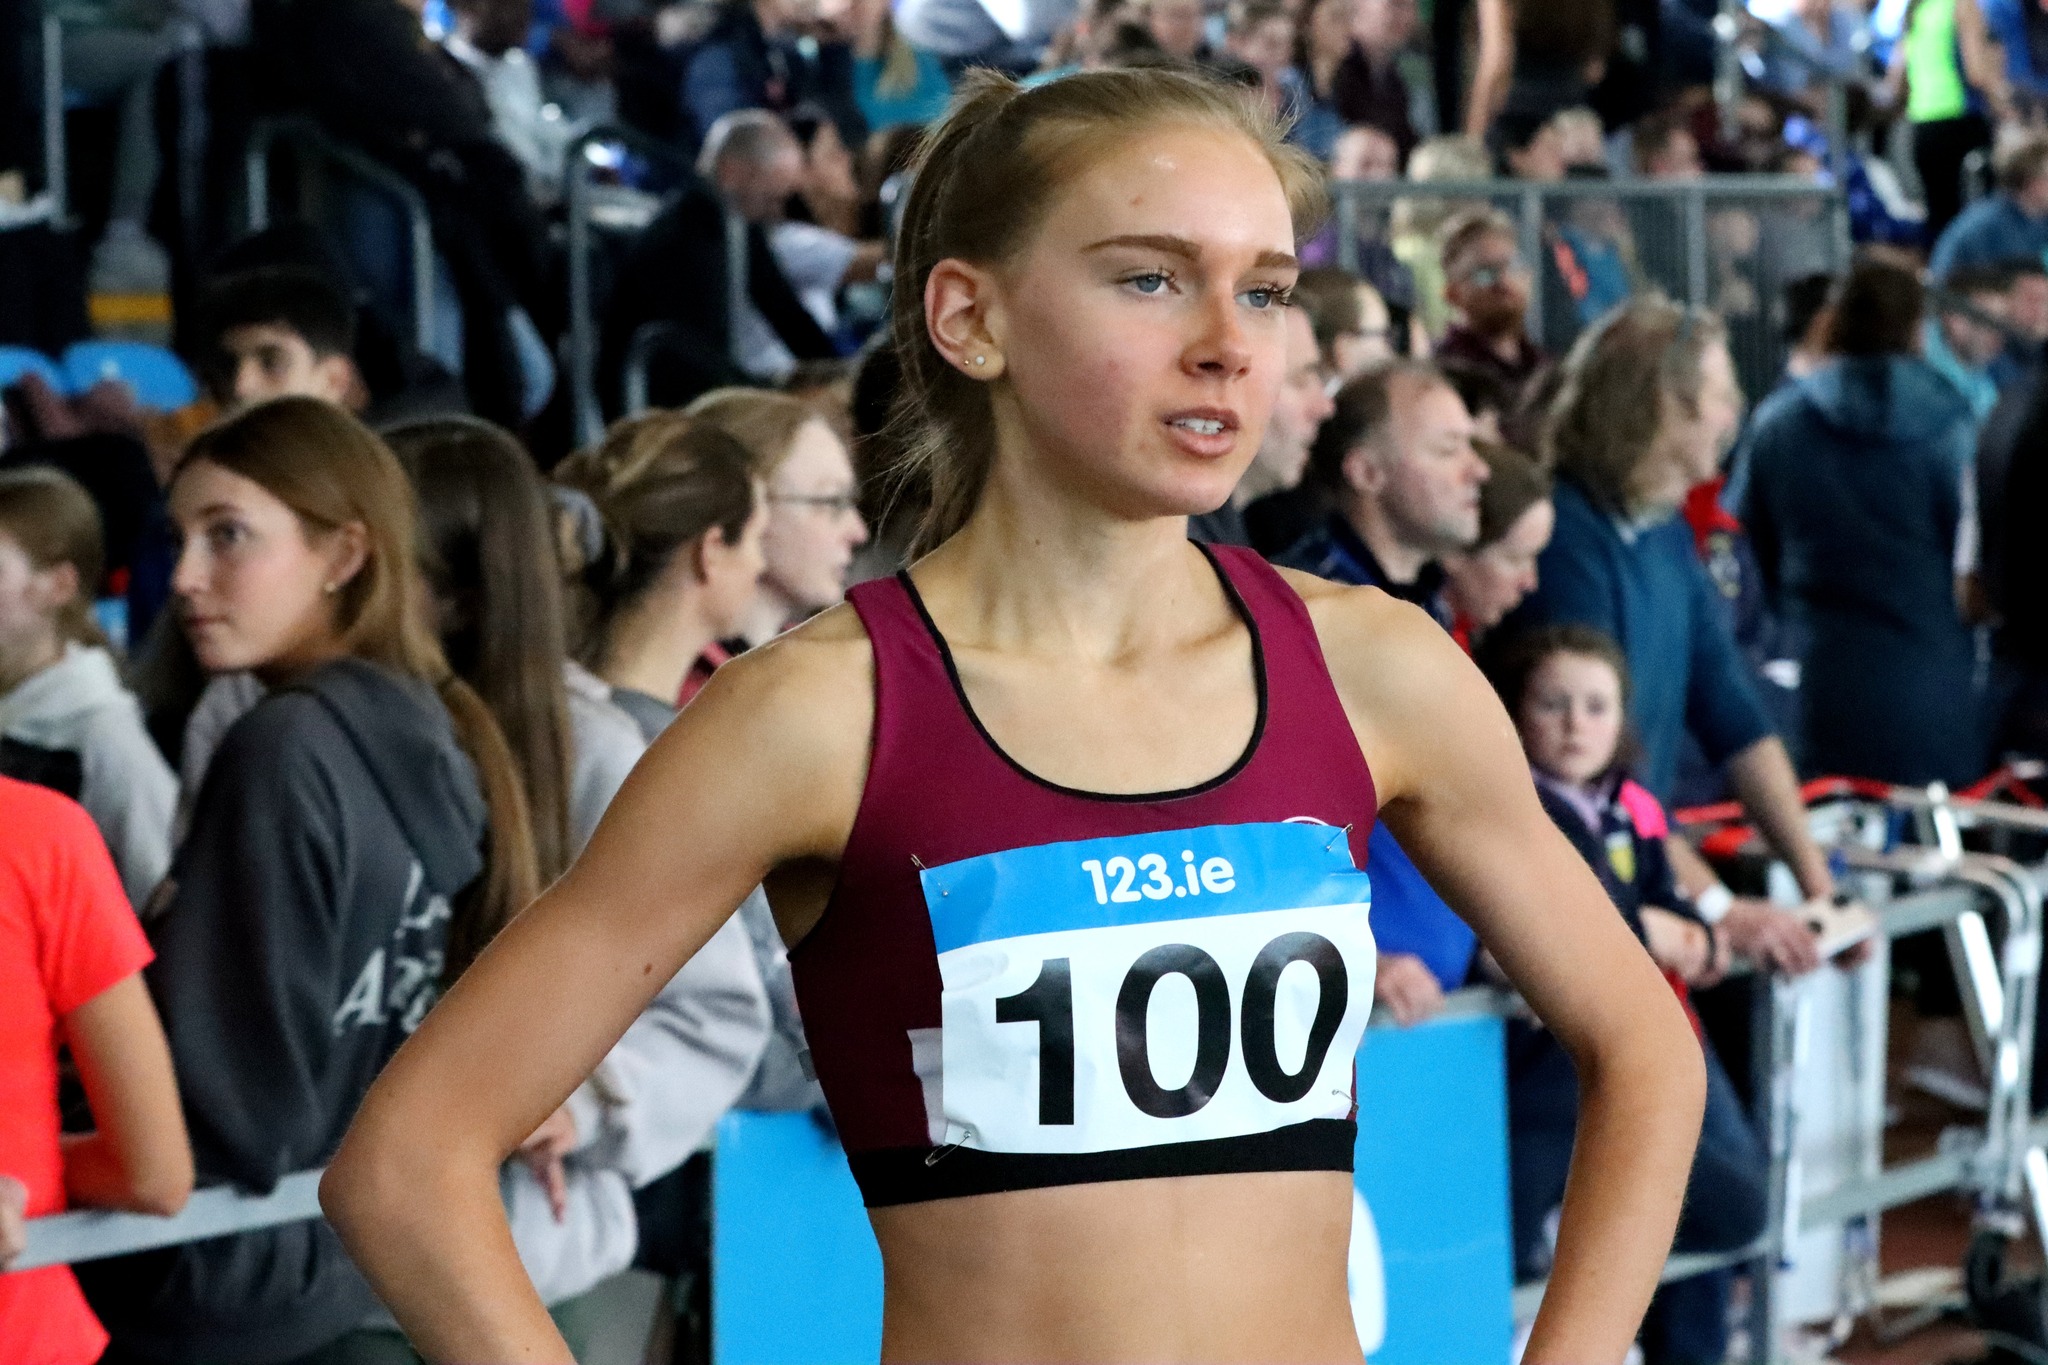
(1063, 826)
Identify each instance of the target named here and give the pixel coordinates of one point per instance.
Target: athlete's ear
(962, 314)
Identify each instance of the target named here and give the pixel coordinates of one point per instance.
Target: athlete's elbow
(376, 1180)
(1653, 1064)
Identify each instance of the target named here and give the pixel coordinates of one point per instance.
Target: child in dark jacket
(1567, 689)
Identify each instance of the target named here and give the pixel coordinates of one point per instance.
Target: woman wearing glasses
(814, 524)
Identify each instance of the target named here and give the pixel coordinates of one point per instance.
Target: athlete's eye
(1151, 282)
(1265, 296)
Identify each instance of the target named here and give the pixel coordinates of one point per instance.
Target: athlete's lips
(1208, 432)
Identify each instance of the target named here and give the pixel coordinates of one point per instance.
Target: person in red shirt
(71, 958)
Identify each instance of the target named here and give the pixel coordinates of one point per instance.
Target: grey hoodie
(79, 706)
(302, 939)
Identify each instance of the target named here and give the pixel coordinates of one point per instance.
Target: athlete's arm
(1455, 789)
(763, 768)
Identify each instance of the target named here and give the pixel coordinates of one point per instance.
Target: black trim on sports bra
(912, 1175)
(1251, 747)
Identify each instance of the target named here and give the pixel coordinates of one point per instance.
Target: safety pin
(1343, 833)
(918, 863)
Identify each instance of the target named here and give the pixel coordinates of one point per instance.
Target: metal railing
(1672, 235)
(314, 147)
(578, 193)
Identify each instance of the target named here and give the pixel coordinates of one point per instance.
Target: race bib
(1125, 992)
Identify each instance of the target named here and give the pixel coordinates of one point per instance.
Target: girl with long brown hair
(998, 799)
(360, 835)
(495, 580)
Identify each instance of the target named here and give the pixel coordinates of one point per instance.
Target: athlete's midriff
(1247, 1267)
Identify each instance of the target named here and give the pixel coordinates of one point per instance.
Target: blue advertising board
(797, 1279)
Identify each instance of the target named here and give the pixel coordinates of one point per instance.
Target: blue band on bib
(1139, 879)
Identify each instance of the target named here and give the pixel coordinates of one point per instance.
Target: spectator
(765, 54)
(1364, 153)
(685, 567)
(1807, 303)
(1567, 689)
(65, 718)
(1854, 505)
(488, 40)
(1282, 455)
(1369, 85)
(1813, 44)
(2019, 28)
(1261, 35)
(1946, 64)
(1320, 49)
(571, 1193)
(1647, 404)
(1490, 399)
(1176, 26)
(894, 83)
(1398, 454)
(1487, 282)
(1664, 148)
(1397, 450)
(1536, 58)
(360, 836)
(757, 164)
(2011, 223)
(960, 29)
(1485, 582)
(277, 331)
(823, 256)
(2012, 474)
(1965, 336)
(1353, 328)
(814, 522)
(678, 275)
(367, 72)
(264, 278)
(71, 958)
(1418, 219)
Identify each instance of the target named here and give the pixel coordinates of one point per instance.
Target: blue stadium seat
(159, 379)
(16, 361)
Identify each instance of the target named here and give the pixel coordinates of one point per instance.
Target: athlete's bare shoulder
(787, 728)
(1404, 682)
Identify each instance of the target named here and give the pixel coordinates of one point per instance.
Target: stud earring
(981, 360)
(333, 588)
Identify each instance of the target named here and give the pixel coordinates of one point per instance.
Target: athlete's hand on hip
(1771, 937)
(1407, 987)
(543, 1154)
(13, 1220)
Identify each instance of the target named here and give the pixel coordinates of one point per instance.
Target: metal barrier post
(1347, 226)
(1529, 241)
(309, 140)
(56, 169)
(589, 419)
(587, 412)
(1696, 287)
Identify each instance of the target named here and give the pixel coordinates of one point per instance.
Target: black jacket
(301, 943)
(676, 273)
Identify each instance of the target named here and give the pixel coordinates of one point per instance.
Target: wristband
(1714, 903)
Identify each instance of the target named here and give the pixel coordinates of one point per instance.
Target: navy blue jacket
(1644, 585)
(1407, 914)
(1853, 505)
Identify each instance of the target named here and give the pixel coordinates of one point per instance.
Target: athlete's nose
(1220, 347)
